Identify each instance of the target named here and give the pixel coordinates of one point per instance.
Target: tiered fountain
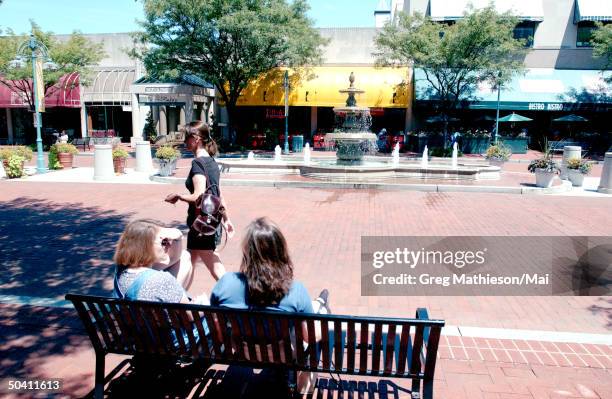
(352, 136)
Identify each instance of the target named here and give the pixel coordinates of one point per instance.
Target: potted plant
(62, 154)
(20, 150)
(577, 169)
(120, 156)
(545, 170)
(13, 166)
(166, 157)
(498, 154)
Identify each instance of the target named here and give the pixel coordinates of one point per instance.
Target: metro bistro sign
(170, 95)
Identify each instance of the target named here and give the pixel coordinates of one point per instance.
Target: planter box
(474, 145)
(544, 179)
(576, 177)
(119, 165)
(166, 167)
(517, 145)
(65, 159)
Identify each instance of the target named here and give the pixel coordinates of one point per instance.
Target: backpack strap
(208, 185)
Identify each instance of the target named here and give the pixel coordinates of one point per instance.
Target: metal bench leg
(416, 389)
(99, 388)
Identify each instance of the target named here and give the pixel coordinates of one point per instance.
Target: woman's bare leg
(211, 261)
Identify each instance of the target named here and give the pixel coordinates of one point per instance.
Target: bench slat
(338, 346)
(89, 326)
(176, 327)
(124, 333)
(188, 327)
(160, 327)
(417, 346)
(350, 351)
(226, 326)
(131, 328)
(275, 339)
(325, 349)
(286, 347)
(248, 334)
(236, 346)
(112, 326)
(299, 342)
(376, 347)
(261, 339)
(101, 327)
(203, 344)
(404, 348)
(215, 333)
(390, 349)
(432, 351)
(363, 348)
(312, 344)
(153, 333)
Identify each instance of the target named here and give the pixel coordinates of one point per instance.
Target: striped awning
(593, 10)
(65, 93)
(110, 86)
(525, 10)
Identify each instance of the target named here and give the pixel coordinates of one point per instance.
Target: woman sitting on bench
(146, 248)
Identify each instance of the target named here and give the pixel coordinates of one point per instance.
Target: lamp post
(497, 114)
(37, 49)
(286, 85)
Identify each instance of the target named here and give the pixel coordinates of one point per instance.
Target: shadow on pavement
(49, 249)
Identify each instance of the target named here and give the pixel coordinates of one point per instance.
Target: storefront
(312, 96)
(62, 103)
(541, 95)
(172, 102)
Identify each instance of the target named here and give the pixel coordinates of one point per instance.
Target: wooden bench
(364, 346)
(85, 142)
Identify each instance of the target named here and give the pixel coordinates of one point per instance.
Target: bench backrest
(350, 345)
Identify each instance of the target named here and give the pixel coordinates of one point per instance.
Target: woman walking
(203, 176)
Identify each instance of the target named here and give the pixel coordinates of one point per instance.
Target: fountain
(277, 154)
(352, 135)
(251, 156)
(395, 155)
(307, 154)
(454, 159)
(425, 158)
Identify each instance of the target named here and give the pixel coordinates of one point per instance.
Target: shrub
(545, 163)
(63, 148)
(167, 152)
(21, 150)
(498, 152)
(579, 165)
(120, 152)
(15, 166)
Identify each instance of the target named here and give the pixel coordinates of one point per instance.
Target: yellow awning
(318, 87)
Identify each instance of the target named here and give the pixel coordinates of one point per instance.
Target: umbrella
(515, 118)
(571, 118)
(440, 119)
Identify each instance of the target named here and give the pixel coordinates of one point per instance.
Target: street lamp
(286, 86)
(36, 49)
(497, 115)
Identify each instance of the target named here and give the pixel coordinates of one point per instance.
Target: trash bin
(298, 143)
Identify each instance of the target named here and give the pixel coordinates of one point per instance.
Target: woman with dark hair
(204, 174)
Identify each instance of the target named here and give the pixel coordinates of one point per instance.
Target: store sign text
(545, 106)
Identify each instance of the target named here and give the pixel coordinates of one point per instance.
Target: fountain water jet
(454, 159)
(307, 154)
(277, 154)
(395, 155)
(251, 156)
(425, 158)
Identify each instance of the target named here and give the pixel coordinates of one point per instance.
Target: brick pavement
(59, 237)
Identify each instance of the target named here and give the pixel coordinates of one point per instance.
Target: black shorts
(196, 241)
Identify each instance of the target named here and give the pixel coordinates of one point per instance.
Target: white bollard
(569, 152)
(2, 172)
(103, 162)
(605, 183)
(144, 162)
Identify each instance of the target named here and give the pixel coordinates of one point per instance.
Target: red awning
(65, 93)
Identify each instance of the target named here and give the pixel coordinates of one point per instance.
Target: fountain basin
(372, 169)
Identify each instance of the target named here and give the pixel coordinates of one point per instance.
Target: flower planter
(65, 159)
(576, 177)
(166, 167)
(518, 145)
(6, 168)
(544, 179)
(119, 165)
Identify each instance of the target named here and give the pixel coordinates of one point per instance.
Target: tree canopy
(76, 54)
(602, 43)
(226, 42)
(455, 58)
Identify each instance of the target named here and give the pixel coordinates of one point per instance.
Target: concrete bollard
(569, 152)
(103, 162)
(605, 183)
(144, 162)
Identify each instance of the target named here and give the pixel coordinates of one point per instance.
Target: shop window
(585, 34)
(526, 31)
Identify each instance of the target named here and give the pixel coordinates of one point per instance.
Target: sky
(110, 16)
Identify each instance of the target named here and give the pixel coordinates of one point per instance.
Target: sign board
(274, 113)
(169, 98)
(40, 86)
(157, 89)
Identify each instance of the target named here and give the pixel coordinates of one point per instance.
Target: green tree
(455, 58)
(226, 42)
(602, 45)
(76, 54)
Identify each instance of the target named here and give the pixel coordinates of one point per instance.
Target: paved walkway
(59, 237)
